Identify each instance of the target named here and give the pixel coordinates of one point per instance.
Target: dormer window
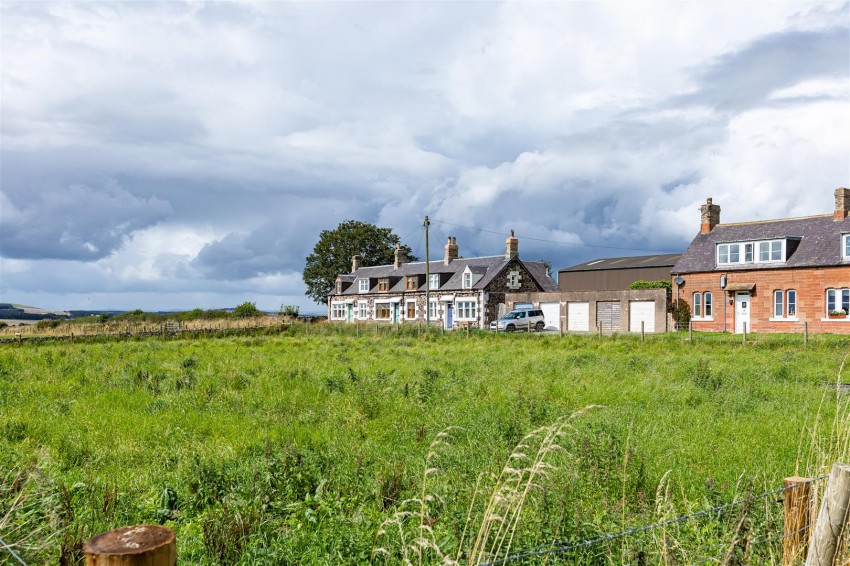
(845, 246)
(411, 284)
(384, 284)
(363, 285)
(434, 281)
(338, 287)
(767, 251)
(467, 280)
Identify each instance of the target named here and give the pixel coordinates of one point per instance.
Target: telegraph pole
(427, 278)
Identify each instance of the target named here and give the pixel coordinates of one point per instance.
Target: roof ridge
(775, 220)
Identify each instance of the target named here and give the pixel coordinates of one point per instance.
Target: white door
(642, 311)
(578, 317)
(552, 315)
(742, 312)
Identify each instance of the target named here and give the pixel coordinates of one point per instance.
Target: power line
(554, 241)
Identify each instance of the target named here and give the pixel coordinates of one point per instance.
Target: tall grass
(297, 447)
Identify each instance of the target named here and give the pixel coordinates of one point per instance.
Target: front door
(350, 313)
(742, 312)
(449, 311)
(396, 309)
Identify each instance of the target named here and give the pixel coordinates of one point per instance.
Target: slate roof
(657, 260)
(818, 244)
(487, 267)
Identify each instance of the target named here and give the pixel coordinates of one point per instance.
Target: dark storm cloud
(745, 78)
(78, 222)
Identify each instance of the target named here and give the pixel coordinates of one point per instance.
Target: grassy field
(297, 449)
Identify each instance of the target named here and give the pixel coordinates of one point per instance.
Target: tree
(332, 254)
(246, 310)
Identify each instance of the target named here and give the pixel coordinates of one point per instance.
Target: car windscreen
(511, 316)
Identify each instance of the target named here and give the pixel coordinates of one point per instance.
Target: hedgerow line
(562, 547)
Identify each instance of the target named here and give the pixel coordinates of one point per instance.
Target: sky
(179, 155)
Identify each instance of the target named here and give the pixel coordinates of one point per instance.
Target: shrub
(661, 284)
(680, 310)
(290, 311)
(246, 310)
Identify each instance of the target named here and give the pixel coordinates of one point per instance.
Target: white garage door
(552, 314)
(578, 317)
(642, 311)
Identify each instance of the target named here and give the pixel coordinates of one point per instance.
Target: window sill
(845, 319)
(784, 319)
(703, 318)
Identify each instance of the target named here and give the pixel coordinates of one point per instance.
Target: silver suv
(521, 319)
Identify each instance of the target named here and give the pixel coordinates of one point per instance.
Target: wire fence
(12, 552)
(563, 547)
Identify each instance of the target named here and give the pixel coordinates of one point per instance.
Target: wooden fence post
(690, 331)
(20, 340)
(798, 517)
(745, 331)
(148, 545)
(832, 518)
(642, 335)
(806, 333)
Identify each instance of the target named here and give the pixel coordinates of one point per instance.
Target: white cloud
(190, 151)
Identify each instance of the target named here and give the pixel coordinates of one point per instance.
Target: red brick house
(768, 276)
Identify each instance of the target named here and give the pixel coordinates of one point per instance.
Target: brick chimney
(355, 262)
(400, 257)
(842, 204)
(511, 246)
(710, 216)
(451, 250)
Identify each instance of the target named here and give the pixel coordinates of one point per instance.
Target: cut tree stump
(139, 545)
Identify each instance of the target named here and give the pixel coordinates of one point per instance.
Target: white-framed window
(467, 280)
(791, 295)
(707, 306)
(363, 285)
(410, 309)
(467, 310)
(362, 310)
(434, 281)
(837, 302)
(845, 246)
(778, 303)
(383, 311)
(513, 279)
(339, 287)
(697, 305)
(337, 311)
(433, 310)
(765, 251)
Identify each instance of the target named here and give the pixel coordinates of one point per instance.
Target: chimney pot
(710, 216)
(842, 204)
(451, 250)
(511, 246)
(400, 257)
(355, 263)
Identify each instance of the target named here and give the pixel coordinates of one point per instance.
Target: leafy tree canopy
(246, 310)
(332, 254)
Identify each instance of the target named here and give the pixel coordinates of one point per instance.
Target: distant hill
(12, 311)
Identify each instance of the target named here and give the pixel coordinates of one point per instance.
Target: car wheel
(510, 328)
(539, 326)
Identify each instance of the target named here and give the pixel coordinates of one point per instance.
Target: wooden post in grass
(20, 340)
(806, 333)
(832, 519)
(798, 516)
(690, 331)
(642, 335)
(148, 545)
(745, 331)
